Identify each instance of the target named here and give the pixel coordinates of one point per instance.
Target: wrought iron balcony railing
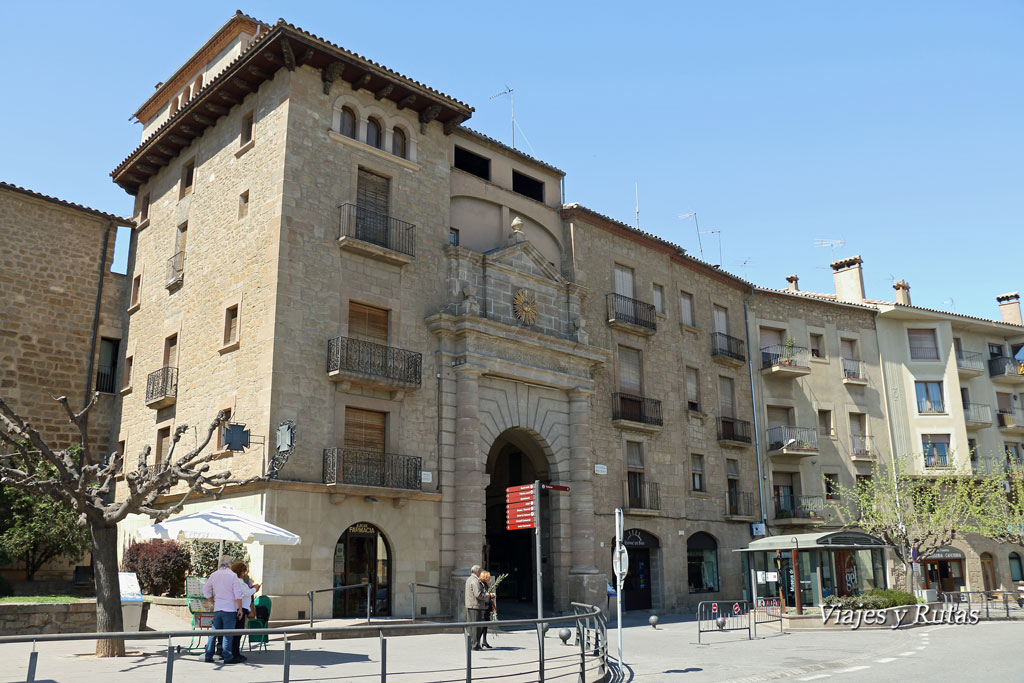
(853, 369)
(970, 360)
(740, 504)
(642, 495)
(1005, 367)
(935, 458)
(377, 228)
(729, 347)
(783, 355)
(862, 444)
(386, 362)
(978, 412)
(162, 384)
(636, 409)
(626, 310)
(802, 507)
(792, 438)
(372, 468)
(105, 379)
(1011, 418)
(731, 429)
(176, 269)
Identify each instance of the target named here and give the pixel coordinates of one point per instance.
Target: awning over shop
(826, 540)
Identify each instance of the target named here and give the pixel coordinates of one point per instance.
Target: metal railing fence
(730, 347)
(636, 409)
(633, 311)
(784, 355)
(372, 468)
(377, 228)
(996, 604)
(589, 616)
(378, 360)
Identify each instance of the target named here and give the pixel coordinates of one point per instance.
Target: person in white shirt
(240, 568)
(222, 586)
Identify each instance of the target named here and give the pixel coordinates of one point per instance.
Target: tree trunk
(108, 590)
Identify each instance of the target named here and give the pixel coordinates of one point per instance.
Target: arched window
(398, 143)
(1016, 568)
(702, 563)
(347, 126)
(373, 133)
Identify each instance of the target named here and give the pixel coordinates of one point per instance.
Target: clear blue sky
(895, 126)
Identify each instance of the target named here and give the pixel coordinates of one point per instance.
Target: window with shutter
(624, 281)
(848, 349)
(368, 323)
(692, 389)
(923, 345)
(634, 455)
(372, 206)
(659, 299)
(630, 371)
(721, 320)
(171, 351)
(686, 308)
(725, 396)
(778, 417)
(365, 430)
(770, 337)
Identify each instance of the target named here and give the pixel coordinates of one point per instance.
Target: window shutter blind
(629, 371)
(691, 385)
(364, 429)
(686, 308)
(770, 337)
(847, 349)
(778, 417)
(368, 323)
(634, 455)
(372, 192)
(923, 345)
(721, 320)
(725, 396)
(733, 468)
(624, 281)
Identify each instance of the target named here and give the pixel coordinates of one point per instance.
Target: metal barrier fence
(724, 615)
(380, 631)
(768, 611)
(356, 586)
(996, 604)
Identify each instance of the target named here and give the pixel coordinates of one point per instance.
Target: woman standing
(248, 590)
(485, 579)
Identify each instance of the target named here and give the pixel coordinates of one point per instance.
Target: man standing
(223, 587)
(477, 601)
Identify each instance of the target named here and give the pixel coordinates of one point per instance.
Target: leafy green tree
(1001, 498)
(911, 511)
(36, 529)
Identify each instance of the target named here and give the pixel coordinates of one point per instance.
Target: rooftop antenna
(831, 244)
(951, 303)
(693, 215)
(512, 102)
(636, 189)
(746, 262)
(719, 233)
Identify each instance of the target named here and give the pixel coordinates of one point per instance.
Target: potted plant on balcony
(787, 356)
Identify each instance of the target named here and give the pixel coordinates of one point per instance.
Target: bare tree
(89, 488)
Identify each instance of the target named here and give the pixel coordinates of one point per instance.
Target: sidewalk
(661, 654)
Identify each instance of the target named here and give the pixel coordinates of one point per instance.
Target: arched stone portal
(519, 456)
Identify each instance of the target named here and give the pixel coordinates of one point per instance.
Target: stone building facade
(323, 250)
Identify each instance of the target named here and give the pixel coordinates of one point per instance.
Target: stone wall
(27, 618)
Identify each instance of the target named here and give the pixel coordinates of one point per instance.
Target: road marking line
(885, 660)
(907, 654)
(852, 669)
(815, 678)
(921, 648)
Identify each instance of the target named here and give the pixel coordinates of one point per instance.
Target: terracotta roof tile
(71, 205)
(513, 150)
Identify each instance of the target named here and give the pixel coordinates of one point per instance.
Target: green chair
(261, 606)
(200, 607)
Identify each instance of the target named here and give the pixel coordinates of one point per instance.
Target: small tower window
(373, 133)
(347, 127)
(398, 143)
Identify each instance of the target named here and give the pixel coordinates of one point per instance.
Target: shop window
(702, 563)
(1016, 568)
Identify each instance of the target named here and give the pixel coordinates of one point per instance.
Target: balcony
(800, 510)
(642, 495)
(1006, 370)
(734, 433)
(376, 235)
(162, 388)
(175, 271)
(854, 372)
(371, 468)
(781, 360)
(798, 441)
(365, 363)
(970, 364)
(862, 448)
(977, 415)
(105, 379)
(936, 459)
(741, 504)
(727, 350)
(1011, 420)
(631, 315)
(636, 412)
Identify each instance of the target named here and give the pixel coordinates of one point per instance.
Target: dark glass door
(637, 586)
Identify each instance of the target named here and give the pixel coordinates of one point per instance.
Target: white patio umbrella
(220, 523)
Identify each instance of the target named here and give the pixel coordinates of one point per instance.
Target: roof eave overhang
(282, 47)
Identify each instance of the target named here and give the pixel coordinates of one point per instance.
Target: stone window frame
(187, 165)
(655, 288)
(145, 208)
(247, 132)
(128, 368)
(122, 445)
(234, 302)
(702, 472)
(243, 204)
(692, 325)
(134, 303)
(822, 335)
(167, 424)
(388, 122)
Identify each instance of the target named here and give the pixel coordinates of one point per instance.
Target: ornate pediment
(525, 259)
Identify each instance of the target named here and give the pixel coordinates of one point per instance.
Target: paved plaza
(986, 651)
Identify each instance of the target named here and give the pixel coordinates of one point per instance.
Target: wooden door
(372, 206)
(988, 572)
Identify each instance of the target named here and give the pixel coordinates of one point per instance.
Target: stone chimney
(902, 288)
(1009, 307)
(792, 280)
(849, 280)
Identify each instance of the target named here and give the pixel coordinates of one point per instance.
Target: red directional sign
(518, 497)
(519, 511)
(554, 487)
(524, 487)
(515, 527)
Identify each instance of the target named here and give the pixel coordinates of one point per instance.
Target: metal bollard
(469, 656)
(383, 658)
(413, 587)
(170, 661)
(310, 594)
(580, 633)
(287, 658)
(540, 650)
